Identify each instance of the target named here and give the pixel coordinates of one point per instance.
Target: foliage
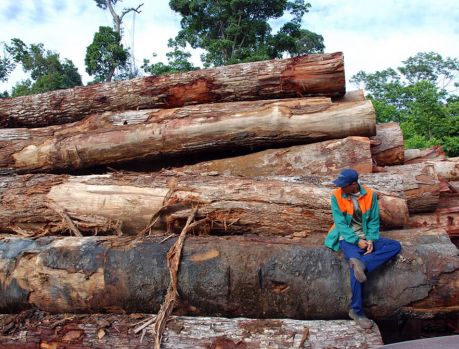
(236, 31)
(105, 54)
(7, 65)
(420, 96)
(47, 71)
(178, 61)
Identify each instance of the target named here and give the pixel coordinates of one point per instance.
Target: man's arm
(373, 220)
(345, 231)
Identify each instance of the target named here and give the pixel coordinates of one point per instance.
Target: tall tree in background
(47, 71)
(106, 53)
(235, 31)
(422, 96)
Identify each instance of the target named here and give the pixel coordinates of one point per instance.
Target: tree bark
(309, 75)
(388, 146)
(327, 157)
(413, 156)
(117, 332)
(115, 138)
(127, 202)
(447, 170)
(446, 218)
(236, 276)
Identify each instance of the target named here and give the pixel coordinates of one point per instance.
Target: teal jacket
(342, 210)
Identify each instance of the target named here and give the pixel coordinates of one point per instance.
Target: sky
(373, 34)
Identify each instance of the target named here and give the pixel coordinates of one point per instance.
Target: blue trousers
(383, 250)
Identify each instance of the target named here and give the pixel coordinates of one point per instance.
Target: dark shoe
(361, 320)
(359, 269)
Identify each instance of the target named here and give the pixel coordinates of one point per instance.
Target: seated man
(356, 231)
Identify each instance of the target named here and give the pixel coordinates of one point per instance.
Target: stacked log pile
(240, 158)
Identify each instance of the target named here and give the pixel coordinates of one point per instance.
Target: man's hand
(363, 244)
(369, 247)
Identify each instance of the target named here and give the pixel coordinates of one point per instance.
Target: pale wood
(236, 276)
(413, 156)
(113, 138)
(352, 96)
(309, 75)
(322, 158)
(128, 202)
(115, 332)
(447, 170)
(388, 146)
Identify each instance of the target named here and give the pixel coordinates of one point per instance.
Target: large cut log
(44, 204)
(31, 330)
(309, 75)
(225, 276)
(388, 148)
(320, 158)
(447, 170)
(446, 218)
(413, 156)
(114, 138)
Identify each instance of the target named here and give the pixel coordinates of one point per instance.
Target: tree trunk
(229, 276)
(327, 157)
(446, 218)
(351, 96)
(115, 138)
(309, 75)
(110, 331)
(388, 146)
(117, 202)
(447, 170)
(413, 156)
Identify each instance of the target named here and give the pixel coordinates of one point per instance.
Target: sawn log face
(149, 134)
(309, 75)
(233, 277)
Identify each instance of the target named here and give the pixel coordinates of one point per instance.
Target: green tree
(47, 71)
(7, 65)
(236, 31)
(105, 54)
(420, 95)
(178, 61)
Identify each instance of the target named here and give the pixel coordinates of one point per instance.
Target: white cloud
(372, 34)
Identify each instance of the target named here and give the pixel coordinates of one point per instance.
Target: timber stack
(206, 195)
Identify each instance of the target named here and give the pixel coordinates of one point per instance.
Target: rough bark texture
(388, 146)
(127, 202)
(413, 156)
(309, 75)
(446, 218)
(221, 276)
(117, 332)
(320, 158)
(114, 138)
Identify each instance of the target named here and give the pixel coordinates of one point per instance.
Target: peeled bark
(309, 75)
(388, 146)
(114, 138)
(446, 170)
(236, 276)
(320, 158)
(413, 156)
(446, 218)
(127, 202)
(117, 332)
(352, 96)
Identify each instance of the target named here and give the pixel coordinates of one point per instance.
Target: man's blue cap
(346, 177)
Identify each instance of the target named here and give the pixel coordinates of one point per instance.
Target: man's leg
(384, 249)
(353, 251)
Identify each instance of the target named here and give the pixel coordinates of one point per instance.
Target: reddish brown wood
(108, 331)
(446, 218)
(388, 148)
(127, 202)
(114, 138)
(230, 276)
(327, 157)
(309, 75)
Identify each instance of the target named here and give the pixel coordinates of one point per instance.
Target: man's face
(352, 188)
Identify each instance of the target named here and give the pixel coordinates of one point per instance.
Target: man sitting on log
(356, 231)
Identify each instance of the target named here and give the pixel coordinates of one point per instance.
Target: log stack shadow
(98, 181)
